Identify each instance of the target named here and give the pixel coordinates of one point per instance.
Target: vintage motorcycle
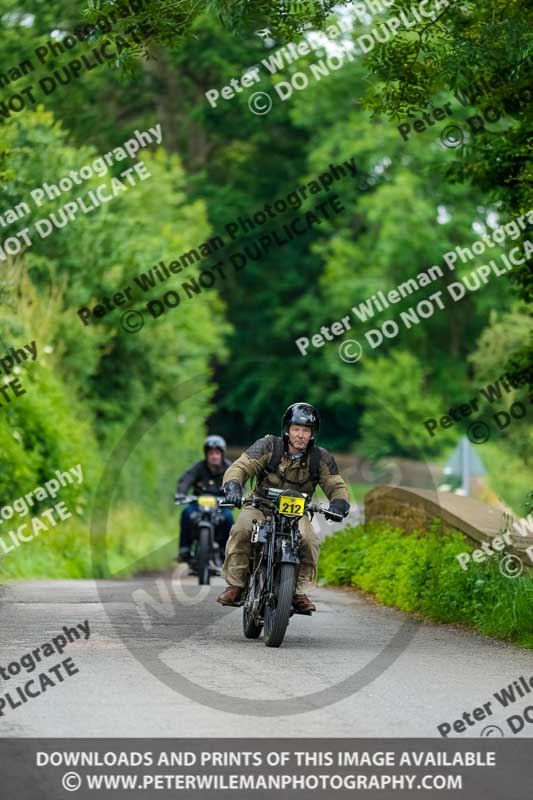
(206, 554)
(274, 562)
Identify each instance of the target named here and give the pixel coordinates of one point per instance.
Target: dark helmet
(301, 414)
(215, 443)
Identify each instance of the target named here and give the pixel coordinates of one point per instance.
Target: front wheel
(277, 615)
(203, 552)
(252, 629)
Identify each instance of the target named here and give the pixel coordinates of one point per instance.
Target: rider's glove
(339, 507)
(233, 492)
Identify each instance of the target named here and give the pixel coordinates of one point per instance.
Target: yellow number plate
(291, 506)
(207, 501)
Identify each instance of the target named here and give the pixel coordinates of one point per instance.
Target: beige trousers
(235, 568)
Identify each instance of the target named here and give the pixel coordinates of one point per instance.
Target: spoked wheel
(252, 629)
(202, 556)
(218, 557)
(277, 615)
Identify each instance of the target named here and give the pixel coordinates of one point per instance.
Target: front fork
(289, 554)
(213, 544)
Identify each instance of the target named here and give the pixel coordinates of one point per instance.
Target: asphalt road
(182, 666)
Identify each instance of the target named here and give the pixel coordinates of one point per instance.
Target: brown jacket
(253, 460)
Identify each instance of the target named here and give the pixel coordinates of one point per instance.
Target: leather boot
(302, 604)
(230, 596)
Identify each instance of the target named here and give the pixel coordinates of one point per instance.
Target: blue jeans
(221, 530)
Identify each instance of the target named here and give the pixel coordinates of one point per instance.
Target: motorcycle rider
(292, 462)
(204, 477)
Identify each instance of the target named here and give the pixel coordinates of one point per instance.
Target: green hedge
(420, 573)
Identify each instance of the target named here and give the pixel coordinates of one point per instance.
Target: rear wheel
(277, 615)
(202, 555)
(252, 630)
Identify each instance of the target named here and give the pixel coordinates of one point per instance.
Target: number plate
(207, 501)
(291, 506)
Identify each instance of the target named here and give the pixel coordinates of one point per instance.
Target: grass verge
(420, 573)
(134, 541)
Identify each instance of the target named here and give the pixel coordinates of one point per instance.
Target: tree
(481, 48)
(115, 376)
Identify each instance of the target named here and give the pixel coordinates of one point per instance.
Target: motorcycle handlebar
(332, 515)
(191, 498)
(315, 508)
(256, 502)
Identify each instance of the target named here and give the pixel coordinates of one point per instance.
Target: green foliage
(495, 348)
(496, 353)
(48, 427)
(391, 231)
(90, 383)
(398, 403)
(401, 215)
(483, 44)
(420, 573)
(66, 551)
(170, 23)
(509, 474)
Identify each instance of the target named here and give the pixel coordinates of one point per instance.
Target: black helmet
(215, 443)
(301, 414)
